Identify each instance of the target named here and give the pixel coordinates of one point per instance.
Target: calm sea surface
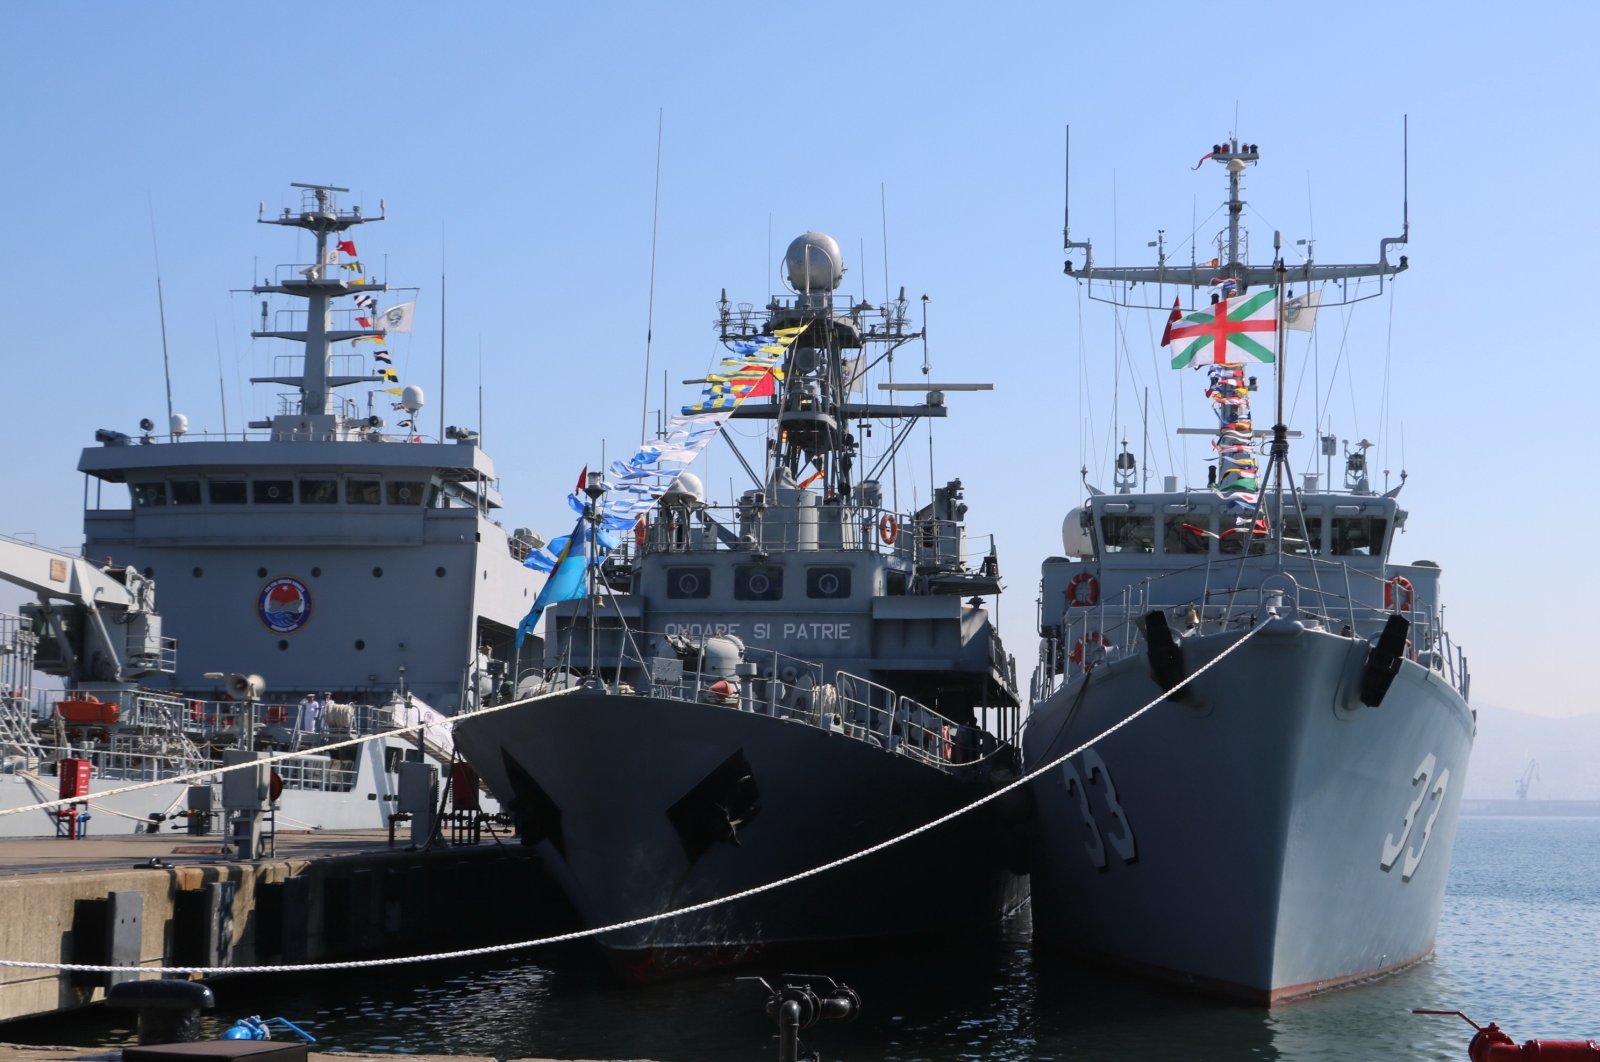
(1517, 945)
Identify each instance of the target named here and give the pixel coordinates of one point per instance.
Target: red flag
(349, 248)
(1177, 314)
(366, 322)
(583, 479)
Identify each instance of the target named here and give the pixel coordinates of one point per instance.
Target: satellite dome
(686, 488)
(814, 263)
(1075, 540)
(411, 398)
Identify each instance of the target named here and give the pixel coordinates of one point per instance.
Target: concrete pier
(23, 1053)
(148, 900)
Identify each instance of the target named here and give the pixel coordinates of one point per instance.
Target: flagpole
(1280, 431)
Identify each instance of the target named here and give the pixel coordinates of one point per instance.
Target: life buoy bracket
(1083, 590)
(1397, 593)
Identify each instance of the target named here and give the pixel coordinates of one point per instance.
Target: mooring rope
(279, 757)
(495, 949)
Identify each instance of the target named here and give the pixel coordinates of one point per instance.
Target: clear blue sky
(515, 147)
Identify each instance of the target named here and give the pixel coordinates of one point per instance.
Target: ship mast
(320, 216)
(815, 412)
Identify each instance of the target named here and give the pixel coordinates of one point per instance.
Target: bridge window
(319, 492)
(1360, 536)
(185, 492)
(688, 582)
(363, 491)
(1186, 533)
(1132, 533)
(227, 491)
(146, 495)
(1302, 541)
(405, 492)
(1249, 537)
(272, 491)
(757, 582)
(828, 583)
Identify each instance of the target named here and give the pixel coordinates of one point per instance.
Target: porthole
(316, 573)
(361, 643)
(283, 645)
(261, 573)
(149, 573)
(198, 572)
(439, 572)
(377, 573)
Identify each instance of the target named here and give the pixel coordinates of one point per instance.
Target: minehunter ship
(1283, 823)
(745, 692)
(334, 549)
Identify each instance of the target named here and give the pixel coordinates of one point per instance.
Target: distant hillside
(1567, 752)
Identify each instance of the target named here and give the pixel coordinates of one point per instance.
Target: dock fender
(1383, 660)
(1165, 654)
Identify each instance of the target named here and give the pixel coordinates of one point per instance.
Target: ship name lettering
(701, 630)
(801, 631)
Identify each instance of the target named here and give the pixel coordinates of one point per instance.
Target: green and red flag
(1227, 332)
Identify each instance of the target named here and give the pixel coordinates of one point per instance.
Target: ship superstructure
(334, 547)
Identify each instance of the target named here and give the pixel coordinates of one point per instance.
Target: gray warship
(334, 549)
(1281, 823)
(746, 692)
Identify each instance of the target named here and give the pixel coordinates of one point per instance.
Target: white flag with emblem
(1300, 312)
(397, 318)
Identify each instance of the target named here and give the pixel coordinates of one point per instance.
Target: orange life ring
(1083, 590)
(1398, 590)
(888, 529)
(1085, 649)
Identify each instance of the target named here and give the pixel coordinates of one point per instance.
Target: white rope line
(362, 964)
(279, 757)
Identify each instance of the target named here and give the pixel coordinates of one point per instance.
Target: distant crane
(1526, 780)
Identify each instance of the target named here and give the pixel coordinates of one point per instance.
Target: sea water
(1517, 945)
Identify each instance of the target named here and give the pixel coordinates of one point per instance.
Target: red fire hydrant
(1491, 1044)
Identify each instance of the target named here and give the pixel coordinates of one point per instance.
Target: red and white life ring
(1397, 594)
(1089, 649)
(888, 529)
(1083, 590)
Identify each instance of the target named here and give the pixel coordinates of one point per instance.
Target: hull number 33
(1095, 840)
(1429, 789)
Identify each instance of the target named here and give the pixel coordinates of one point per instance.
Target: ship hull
(1264, 838)
(607, 787)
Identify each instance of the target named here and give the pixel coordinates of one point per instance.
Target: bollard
(169, 1011)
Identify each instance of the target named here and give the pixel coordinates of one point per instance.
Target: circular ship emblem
(284, 605)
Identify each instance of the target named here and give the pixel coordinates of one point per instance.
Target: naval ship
(331, 553)
(743, 692)
(1280, 820)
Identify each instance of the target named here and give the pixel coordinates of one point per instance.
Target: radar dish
(814, 263)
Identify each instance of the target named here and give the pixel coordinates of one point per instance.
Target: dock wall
(301, 908)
